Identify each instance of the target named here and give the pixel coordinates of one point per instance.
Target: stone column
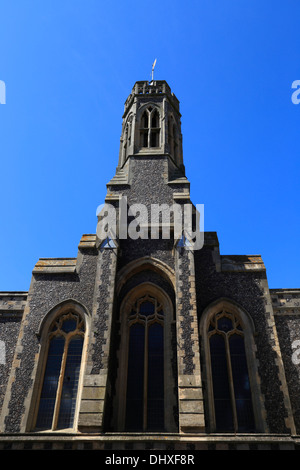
(190, 396)
(96, 384)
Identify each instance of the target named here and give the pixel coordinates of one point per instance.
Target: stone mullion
(230, 383)
(145, 409)
(60, 384)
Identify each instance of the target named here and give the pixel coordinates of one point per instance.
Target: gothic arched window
(145, 376)
(58, 395)
(146, 360)
(150, 128)
(229, 379)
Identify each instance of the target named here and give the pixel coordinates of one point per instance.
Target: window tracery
(150, 128)
(230, 381)
(147, 356)
(58, 395)
(145, 376)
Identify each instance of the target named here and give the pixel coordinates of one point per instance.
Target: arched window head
(58, 396)
(150, 128)
(232, 397)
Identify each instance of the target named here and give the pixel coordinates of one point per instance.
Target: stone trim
(95, 383)
(55, 265)
(168, 442)
(289, 420)
(141, 264)
(190, 397)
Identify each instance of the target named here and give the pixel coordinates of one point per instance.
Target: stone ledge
(12, 303)
(55, 265)
(241, 263)
(87, 241)
(137, 441)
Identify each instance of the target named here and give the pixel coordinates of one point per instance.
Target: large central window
(145, 376)
(146, 393)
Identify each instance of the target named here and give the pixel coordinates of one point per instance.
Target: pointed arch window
(147, 362)
(145, 376)
(150, 128)
(57, 403)
(230, 381)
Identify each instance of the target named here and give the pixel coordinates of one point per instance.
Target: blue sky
(68, 67)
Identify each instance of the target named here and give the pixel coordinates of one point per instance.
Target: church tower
(155, 303)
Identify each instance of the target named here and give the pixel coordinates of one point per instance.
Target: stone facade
(101, 287)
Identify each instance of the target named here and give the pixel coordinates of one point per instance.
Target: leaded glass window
(230, 377)
(60, 384)
(150, 128)
(145, 375)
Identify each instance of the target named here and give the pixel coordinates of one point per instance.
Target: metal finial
(153, 65)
